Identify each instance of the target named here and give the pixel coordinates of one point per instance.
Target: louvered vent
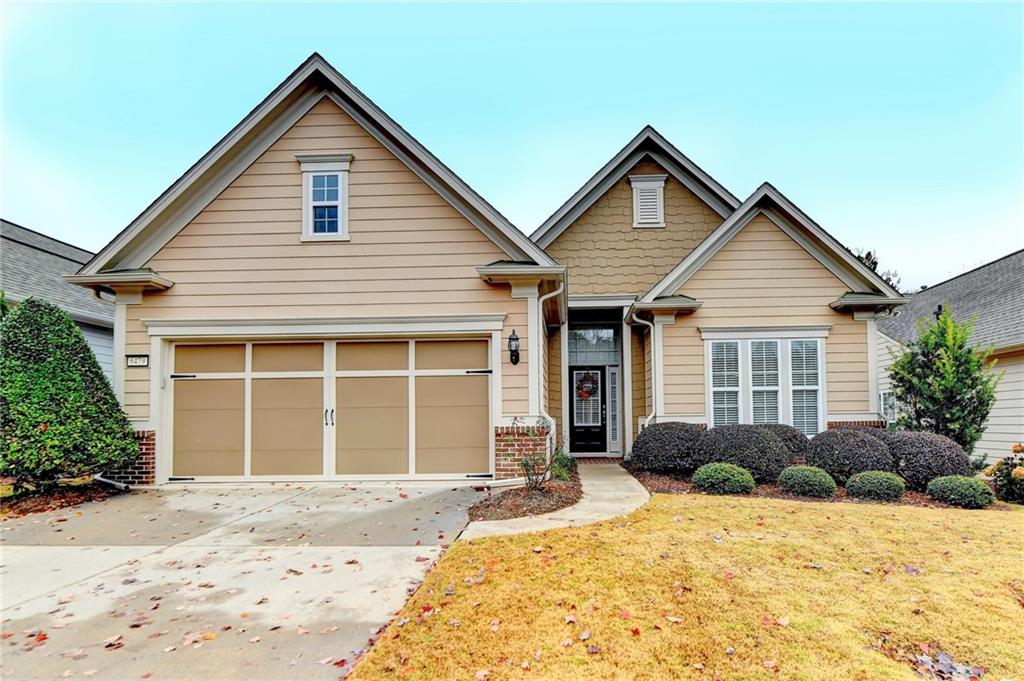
(648, 200)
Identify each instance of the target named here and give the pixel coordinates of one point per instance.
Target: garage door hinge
(478, 371)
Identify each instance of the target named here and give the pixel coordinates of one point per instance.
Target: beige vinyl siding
(885, 347)
(1005, 424)
(605, 254)
(554, 381)
(410, 253)
(764, 278)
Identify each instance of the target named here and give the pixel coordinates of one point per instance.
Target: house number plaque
(136, 360)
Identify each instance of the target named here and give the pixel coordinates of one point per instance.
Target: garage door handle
(183, 375)
(478, 371)
(325, 417)
(332, 417)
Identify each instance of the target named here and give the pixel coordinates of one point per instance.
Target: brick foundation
(833, 425)
(143, 471)
(511, 444)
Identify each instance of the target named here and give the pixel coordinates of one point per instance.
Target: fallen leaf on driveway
(325, 660)
(67, 598)
(254, 639)
(170, 648)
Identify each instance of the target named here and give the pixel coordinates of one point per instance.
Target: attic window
(648, 200)
(325, 197)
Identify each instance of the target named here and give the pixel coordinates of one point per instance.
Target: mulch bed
(61, 497)
(520, 501)
(671, 484)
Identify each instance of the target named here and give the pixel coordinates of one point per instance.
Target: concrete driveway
(255, 582)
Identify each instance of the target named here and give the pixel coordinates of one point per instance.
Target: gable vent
(648, 200)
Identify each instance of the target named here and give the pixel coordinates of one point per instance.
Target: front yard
(707, 587)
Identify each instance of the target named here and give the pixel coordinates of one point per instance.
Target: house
(319, 297)
(993, 296)
(34, 265)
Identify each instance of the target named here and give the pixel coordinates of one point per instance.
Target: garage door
(332, 409)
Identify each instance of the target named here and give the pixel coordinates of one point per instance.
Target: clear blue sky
(897, 127)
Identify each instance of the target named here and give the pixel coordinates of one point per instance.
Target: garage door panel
(452, 354)
(200, 359)
(209, 427)
(288, 357)
(370, 356)
(372, 426)
(287, 426)
(452, 424)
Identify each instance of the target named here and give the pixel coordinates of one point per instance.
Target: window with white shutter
(764, 381)
(725, 382)
(648, 200)
(804, 359)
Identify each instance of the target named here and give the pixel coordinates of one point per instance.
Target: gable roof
(648, 143)
(770, 202)
(310, 83)
(33, 265)
(993, 293)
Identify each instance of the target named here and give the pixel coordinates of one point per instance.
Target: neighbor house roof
(773, 204)
(309, 84)
(993, 294)
(33, 265)
(648, 144)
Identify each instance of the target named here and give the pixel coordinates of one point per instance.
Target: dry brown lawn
(693, 586)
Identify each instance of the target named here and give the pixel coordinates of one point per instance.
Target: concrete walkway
(608, 491)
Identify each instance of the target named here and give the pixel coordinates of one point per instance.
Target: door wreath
(586, 386)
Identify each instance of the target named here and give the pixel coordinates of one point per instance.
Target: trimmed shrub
(807, 481)
(845, 452)
(1008, 479)
(59, 417)
(877, 485)
(791, 438)
(960, 490)
(667, 448)
(723, 478)
(922, 457)
(746, 446)
(562, 465)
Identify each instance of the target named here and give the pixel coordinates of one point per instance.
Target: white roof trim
(827, 250)
(257, 131)
(667, 156)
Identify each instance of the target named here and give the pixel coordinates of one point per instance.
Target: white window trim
(324, 164)
(785, 388)
(646, 181)
(881, 406)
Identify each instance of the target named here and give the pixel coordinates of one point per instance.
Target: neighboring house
(34, 265)
(993, 296)
(319, 297)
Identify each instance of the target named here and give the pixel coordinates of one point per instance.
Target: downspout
(654, 407)
(543, 410)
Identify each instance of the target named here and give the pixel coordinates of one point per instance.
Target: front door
(589, 432)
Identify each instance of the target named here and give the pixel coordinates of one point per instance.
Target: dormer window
(648, 200)
(325, 197)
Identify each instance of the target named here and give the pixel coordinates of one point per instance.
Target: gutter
(540, 305)
(654, 368)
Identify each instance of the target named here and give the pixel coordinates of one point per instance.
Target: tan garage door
(323, 409)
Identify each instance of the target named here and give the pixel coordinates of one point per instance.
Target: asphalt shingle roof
(993, 293)
(33, 264)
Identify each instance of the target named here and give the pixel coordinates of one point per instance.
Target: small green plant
(876, 485)
(562, 465)
(59, 417)
(1008, 478)
(807, 481)
(960, 490)
(723, 478)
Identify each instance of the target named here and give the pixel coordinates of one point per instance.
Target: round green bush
(922, 457)
(59, 417)
(845, 452)
(667, 448)
(791, 438)
(960, 490)
(746, 446)
(877, 485)
(723, 478)
(807, 481)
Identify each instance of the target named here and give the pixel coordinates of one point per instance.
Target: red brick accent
(832, 425)
(143, 471)
(511, 444)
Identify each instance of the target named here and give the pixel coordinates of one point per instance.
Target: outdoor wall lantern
(513, 348)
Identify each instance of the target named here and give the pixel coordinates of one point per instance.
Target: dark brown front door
(589, 431)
